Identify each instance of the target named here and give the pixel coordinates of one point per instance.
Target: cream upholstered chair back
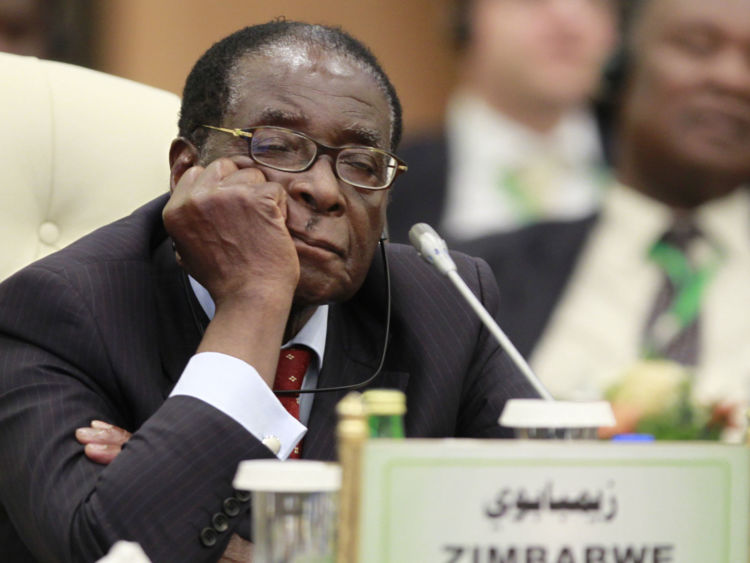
(78, 149)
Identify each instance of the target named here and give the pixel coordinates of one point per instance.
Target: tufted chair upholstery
(78, 149)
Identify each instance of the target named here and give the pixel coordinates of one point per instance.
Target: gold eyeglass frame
(320, 149)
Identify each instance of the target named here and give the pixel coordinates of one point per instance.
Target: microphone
(433, 249)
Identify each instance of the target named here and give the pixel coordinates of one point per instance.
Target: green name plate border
(413, 459)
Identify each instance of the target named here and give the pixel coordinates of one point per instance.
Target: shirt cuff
(237, 389)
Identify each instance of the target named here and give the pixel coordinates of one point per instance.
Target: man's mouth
(722, 123)
(317, 243)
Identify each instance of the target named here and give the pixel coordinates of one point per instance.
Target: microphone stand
(434, 250)
(498, 333)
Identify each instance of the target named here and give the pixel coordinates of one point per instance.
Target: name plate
(498, 501)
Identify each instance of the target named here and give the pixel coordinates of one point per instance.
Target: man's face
(335, 226)
(688, 94)
(548, 51)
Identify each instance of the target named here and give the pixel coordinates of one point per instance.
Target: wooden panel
(158, 42)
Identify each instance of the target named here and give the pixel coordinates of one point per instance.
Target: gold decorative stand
(351, 434)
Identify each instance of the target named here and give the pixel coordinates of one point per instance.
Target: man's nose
(318, 188)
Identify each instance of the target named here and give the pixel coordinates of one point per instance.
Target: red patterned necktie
(290, 372)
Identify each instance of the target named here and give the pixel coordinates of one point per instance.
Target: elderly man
(169, 323)
(664, 269)
(521, 143)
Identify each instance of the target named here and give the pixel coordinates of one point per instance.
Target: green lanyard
(521, 201)
(689, 282)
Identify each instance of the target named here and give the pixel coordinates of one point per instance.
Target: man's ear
(182, 156)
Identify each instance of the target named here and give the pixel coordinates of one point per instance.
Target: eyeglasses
(291, 151)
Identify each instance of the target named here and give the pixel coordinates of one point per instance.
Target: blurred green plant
(656, 397)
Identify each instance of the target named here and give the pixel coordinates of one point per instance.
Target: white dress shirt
(237, 389)
(562, 172)
(595, 332)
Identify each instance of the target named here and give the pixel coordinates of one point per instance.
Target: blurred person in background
(59, 30)
(520, 143)
(663, 270)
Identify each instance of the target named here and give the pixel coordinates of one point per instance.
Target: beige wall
(157, 41)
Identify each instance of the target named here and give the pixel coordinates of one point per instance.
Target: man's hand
(238, 551)
(102, 441)
(228, 224)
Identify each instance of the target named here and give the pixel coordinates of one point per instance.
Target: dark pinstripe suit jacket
(103, 329)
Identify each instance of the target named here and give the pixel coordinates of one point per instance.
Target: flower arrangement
(656, 397)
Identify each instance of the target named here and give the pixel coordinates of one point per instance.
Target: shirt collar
(634, 221)
(726, 221)
(639, 220)
(483, 132)
(312, 334)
